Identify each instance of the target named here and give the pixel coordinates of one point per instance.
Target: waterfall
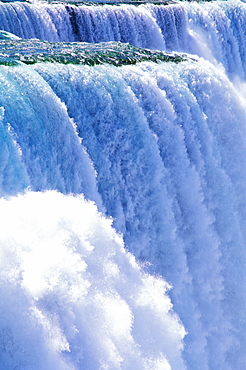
(123, 186)
(215, 31)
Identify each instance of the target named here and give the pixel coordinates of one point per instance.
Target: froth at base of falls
(72, 297)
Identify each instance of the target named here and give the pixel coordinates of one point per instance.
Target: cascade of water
(13, 175)
(160, 144)
(50, 148)
(161, 149)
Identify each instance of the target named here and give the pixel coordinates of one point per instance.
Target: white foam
(72, 297)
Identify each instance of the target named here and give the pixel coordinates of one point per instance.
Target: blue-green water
(123, 186)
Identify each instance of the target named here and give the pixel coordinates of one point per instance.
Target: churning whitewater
(123, 186)
(72, 297)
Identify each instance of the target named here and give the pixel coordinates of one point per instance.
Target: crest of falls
(215, 31)
(123, 186)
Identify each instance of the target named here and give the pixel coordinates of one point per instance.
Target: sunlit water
(155, 141)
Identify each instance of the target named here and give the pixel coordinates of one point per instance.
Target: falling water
(123, 185)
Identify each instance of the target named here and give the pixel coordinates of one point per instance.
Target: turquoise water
(114, 53)
(123, 186)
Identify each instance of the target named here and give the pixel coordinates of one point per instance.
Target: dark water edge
(115, 53)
